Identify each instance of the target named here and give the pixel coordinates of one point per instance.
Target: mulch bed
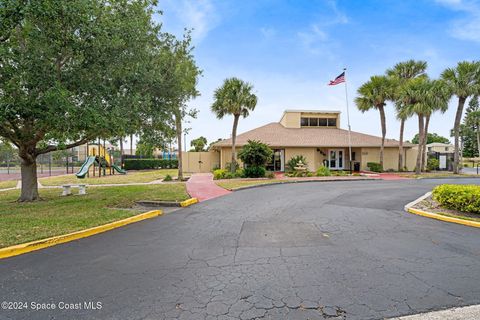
(433, 206)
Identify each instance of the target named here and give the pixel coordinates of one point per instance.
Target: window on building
(322, 122)
(446, 148)
(318, 122)
(313, 122)
(429, 149)
(332, 122)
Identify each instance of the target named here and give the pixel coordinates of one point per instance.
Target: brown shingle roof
(276, 135)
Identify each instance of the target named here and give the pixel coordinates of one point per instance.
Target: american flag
(338, 80)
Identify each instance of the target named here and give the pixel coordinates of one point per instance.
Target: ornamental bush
(255, 154)
(374, 166)
(464, 198)
(143, 164)
(433, 164)
(323, 171)
(226, 174)
(254, 172)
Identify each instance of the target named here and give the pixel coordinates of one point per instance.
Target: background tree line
(415, 94)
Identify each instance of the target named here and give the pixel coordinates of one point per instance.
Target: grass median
(141, 176)
(57, 215)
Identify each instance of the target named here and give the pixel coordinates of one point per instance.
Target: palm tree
(464, 81)
(435, 99)
(374, 95)
(422, 97)
(410, 98)
(235, 98)
(402, 72)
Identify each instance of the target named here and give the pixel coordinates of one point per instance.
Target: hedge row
(465, 198)
(142, 164)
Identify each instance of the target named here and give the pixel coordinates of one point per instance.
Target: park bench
(67, 189)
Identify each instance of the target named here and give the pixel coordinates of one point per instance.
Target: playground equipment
(98, 155)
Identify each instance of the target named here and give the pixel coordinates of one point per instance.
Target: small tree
(431, 138)
(235, 98)
(464, 82)
(374, 94)
(255, 154)
(144, 149)
(199, 144)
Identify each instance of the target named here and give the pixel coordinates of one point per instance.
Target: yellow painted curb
(444, 218)
(48, 242)
(188, 202)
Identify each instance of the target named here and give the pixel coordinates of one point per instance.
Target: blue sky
(289, 50)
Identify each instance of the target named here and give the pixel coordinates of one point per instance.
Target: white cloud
(199, 15)
(467, 27)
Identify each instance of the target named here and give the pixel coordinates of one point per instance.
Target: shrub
(340, 173)
(168, 178)
(229, 175)
(143, 164)
(464, 198)
(255, 154)
(432, 164)
(254, 172)
(374, 166)
(219, 174)
(269, 175)
(228, 165)
(323, 171)
(292, 163)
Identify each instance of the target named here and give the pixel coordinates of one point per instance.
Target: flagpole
(348, 122)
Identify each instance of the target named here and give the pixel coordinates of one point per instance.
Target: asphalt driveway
(296, 251)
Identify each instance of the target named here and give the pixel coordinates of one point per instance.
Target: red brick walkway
(202, 187)
(392, 176)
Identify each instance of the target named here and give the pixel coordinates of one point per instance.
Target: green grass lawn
(130, 177)
(8, 184)
(234, 184)
(56, 215)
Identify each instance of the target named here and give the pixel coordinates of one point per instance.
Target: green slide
(84, 169)
(118, 169)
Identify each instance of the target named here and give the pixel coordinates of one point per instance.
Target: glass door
(335, 159)
(277, 163)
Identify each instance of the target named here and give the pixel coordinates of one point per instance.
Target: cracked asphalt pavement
(329, 250)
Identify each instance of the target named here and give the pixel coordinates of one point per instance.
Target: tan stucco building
(317, 135)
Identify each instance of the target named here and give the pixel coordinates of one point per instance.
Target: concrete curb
(188, 202)
(52, 241)
(456, 313)
(432, 215)
(297, 181)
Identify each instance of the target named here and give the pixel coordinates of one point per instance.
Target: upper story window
(318, 122)
(446, 148)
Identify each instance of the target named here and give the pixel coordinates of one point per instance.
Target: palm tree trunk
(178, 126)
(400, 145)
(384, 132)
(236, 117)
(420, 144)
(424, 146)
(456, 129)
